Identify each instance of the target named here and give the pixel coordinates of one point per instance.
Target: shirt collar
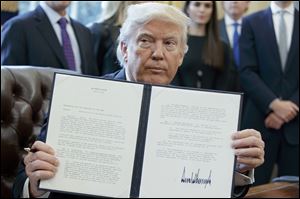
(229, 21)
(276, 9)
(127, 75)
(52, 15)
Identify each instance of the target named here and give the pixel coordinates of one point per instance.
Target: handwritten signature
(195, 179)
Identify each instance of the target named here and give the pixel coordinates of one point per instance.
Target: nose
(157, 52)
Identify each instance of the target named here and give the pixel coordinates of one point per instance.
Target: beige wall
(254, 6)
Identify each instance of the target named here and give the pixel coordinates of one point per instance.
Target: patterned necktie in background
(283, 49)
(67, 47)
(236, 48)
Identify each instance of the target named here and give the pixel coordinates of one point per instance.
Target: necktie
(236, 48)
(67, 47)
(283, 49)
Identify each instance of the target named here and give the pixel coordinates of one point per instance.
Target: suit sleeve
(21, 175)
(19, 181)
(295, 97)
(251, 81)
(13, 44)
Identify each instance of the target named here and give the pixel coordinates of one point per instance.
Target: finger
(246, 133)
(250, 162)
(285, 118)
(293, 113)
(41, 155)
(295, 107)
(250, 152)
(277, 119)
(267, 121)
(41, 146)
(276, 123)
(27, 159)
(40, 175)
(40, 165)
(248, 142)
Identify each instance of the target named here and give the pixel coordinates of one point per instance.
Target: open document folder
(123, 139)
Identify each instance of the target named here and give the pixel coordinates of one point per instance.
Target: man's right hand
(40, 165)
(286, 110)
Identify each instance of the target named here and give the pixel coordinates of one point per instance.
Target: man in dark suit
(234, 12)
(150, 53)
(48, 37)
(269, 48)
(230, 31)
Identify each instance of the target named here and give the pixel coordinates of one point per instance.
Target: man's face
(155, 54)
(236, 8)
(58, 5)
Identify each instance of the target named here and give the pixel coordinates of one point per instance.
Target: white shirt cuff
(242, 180)
(25, 193)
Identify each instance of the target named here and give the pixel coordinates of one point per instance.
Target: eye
(208, 5)
(144, 42)
(197, 4)
(171, 44)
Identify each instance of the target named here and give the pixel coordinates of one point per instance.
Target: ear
(124, 50)
(181, 56)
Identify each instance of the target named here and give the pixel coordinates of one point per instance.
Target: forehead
(160, 29)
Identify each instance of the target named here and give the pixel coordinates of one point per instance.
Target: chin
(155, 80)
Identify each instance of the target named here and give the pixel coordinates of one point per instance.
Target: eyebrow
(145, 34)
(148, 34)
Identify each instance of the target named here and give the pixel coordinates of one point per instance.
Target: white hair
(140, 14)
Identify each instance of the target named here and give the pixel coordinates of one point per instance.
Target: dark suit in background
(264, 80)
(105, 37)
(31, 40)
(233, 71)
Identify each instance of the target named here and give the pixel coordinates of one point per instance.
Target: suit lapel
(295, 41)
(223, 31)
(120, 75)
(271, 37)
(80, 42)
(45, 28)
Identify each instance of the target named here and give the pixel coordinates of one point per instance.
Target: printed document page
(93, 128)
(188, 144)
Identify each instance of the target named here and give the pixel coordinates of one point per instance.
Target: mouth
(156, 70)
(202, 17)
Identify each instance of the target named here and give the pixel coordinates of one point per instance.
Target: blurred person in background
(9, 9)
(48, 37)
(207, 63)
(106, 32)
(230, 31)
(269, 47)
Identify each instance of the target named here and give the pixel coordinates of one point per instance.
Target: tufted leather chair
(25, 95)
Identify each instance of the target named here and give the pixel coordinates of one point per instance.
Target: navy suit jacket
(31, 40)
(261, 72)
(233, 74)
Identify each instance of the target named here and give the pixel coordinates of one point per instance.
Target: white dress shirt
(289, 20)
(53, 17)
(230, 28)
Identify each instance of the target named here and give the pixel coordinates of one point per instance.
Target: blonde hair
(115, 10)
(140, 14)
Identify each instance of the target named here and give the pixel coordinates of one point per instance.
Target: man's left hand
(249, 149)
